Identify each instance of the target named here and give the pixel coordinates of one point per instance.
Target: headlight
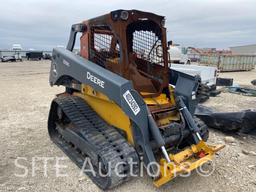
(124, 15)
(115, 16)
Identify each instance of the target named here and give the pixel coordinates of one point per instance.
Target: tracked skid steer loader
(122, 105)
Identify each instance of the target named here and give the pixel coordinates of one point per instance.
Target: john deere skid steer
(122, 106)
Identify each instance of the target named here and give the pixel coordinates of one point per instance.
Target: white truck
(177, 54)
(208, 78)
(16, 47)
(14, 54)
(208, 74)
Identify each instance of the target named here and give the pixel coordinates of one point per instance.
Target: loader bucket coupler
(186, 161)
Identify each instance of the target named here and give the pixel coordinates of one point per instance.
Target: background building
(244, 50)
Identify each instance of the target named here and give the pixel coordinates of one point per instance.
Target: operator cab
(132, 44)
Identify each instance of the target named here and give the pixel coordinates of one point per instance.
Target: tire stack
(205, 92)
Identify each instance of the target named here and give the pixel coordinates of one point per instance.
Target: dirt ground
(25, 98)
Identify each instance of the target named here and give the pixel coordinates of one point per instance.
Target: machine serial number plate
(131, 102)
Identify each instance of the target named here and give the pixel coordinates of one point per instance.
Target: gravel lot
(25, 99)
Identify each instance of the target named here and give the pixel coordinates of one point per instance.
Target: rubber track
(110, 145)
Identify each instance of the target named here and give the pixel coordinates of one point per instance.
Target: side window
(104, 46)
(102, 42)
(147, 46)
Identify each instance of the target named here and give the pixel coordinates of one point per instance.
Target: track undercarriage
(81, 134)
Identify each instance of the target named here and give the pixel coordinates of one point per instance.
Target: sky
(44, 24)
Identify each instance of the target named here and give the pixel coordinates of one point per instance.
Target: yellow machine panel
(107, 110)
